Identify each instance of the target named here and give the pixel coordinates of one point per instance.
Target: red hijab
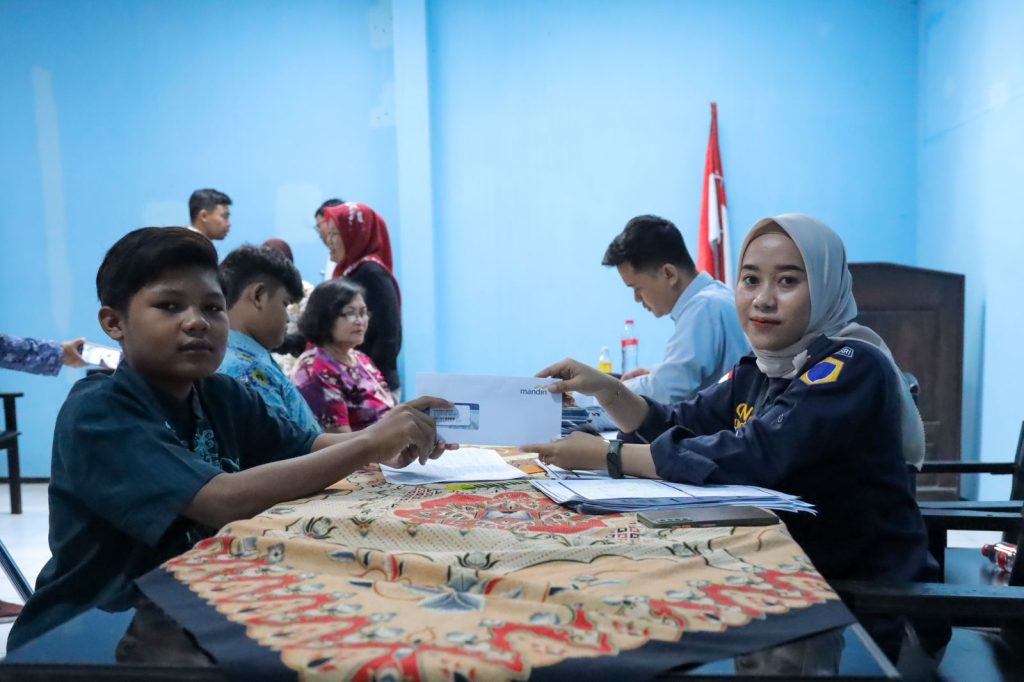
(365, 237)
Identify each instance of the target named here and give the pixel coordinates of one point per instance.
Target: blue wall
(971, 167)
(113, 112)
(505, 143)
(554, 123)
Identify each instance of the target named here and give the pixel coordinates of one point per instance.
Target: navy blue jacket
(831, 435)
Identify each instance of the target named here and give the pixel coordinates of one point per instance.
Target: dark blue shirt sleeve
(790, 433)
(127, 466)
(706, 412)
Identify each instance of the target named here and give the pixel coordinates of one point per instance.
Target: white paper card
(464, 464)
(494, 410)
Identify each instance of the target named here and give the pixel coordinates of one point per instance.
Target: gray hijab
(832, 312)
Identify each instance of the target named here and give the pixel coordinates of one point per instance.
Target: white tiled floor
(25, 537)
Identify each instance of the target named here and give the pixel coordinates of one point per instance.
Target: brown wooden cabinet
(920, 314)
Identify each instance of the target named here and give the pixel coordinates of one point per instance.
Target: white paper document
(636, 494)
(464, 464)
(494, 410)
(557, 472)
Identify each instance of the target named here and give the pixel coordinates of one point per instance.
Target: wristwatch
(615, 458)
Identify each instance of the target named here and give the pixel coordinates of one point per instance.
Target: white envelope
(494, 410)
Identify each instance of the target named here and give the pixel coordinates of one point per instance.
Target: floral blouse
(31, 355)
(356, 396)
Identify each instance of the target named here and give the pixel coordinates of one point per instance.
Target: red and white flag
(714, 255)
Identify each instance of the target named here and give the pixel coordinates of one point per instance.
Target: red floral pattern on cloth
(504, 510)
(369, 582)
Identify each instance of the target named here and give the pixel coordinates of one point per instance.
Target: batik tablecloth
(374, 581)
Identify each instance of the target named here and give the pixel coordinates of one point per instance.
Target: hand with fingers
(577, 451)
(73, 353)
(408, 433)
(576, 376)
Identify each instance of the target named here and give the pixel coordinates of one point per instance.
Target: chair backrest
(1017, 486)
(920, 314)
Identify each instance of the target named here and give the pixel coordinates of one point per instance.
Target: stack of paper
(464, 464)
(612, 495)
(557, 472)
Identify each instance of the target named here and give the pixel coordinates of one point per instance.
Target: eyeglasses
(331, 236)
(356, 315)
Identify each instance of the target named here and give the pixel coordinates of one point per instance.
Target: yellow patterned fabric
(374, 581)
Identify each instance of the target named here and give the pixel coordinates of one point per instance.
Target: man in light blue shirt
(259, 284)
(652, 260)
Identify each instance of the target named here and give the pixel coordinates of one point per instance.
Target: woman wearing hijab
(819, 410)
(357, 238)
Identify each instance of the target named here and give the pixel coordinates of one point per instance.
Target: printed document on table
(617, 488)
(464, 464)
(635, 494)
(493, 410)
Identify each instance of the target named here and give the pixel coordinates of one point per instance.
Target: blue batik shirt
(250, 363)
(31, 355)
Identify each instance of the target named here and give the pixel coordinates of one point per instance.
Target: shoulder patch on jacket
(824, 372)
(725, 377)
(845, 351)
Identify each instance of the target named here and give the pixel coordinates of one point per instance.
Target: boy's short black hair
(142, 256)
(324, 306)
(327, 204)
(206, 199)
(248, 264)
(648, 242)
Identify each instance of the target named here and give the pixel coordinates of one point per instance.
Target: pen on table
(461, 486)
(551, 472)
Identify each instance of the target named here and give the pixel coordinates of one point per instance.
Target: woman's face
(331, 238)
(350, 326)
(773, 299)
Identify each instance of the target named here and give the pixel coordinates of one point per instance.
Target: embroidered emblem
(825, 372)
(845, 351)
(743, 414)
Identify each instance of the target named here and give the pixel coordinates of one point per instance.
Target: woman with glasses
(357, 238)
(342, 385)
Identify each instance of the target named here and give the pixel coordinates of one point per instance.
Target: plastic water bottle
(1002, 554)
(630, 348)
(604, 363)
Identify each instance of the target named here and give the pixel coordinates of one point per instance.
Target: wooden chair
(986, 606)
(988, 620)
(957, 467)
(961, 565)
(920, 314)
(9, 442)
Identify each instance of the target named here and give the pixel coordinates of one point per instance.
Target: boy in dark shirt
(164, 452)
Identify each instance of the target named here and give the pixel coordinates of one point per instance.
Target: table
(369, 580)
